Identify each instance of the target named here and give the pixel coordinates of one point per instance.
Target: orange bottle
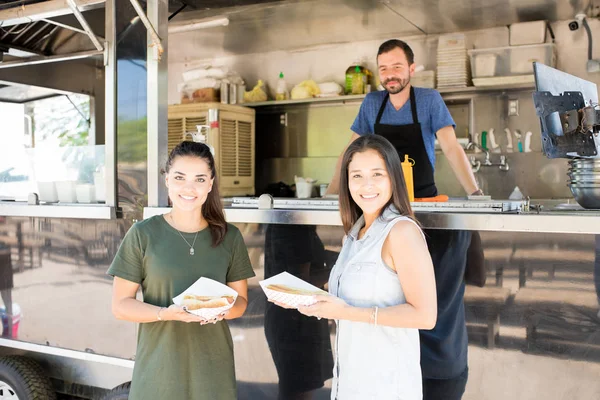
(407, 170)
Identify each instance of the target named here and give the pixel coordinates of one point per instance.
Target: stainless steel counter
(567, 220)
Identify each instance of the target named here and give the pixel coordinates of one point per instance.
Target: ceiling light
(198, 24)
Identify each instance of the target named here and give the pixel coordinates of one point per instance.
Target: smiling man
(411, 119)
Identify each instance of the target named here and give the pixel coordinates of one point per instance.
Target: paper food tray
(292, 300)
(207, 287)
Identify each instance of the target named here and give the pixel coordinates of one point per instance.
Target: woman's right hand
(177, 313)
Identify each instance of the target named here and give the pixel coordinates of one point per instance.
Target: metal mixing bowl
(584, 163)
(578, 178)
(587, 195)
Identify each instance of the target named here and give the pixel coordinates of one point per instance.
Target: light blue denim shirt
(372, 362)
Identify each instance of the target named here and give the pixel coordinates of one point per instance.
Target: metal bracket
(562, 134)
(156, 42)
(84, 24)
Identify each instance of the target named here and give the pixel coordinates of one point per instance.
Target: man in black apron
(444, 348)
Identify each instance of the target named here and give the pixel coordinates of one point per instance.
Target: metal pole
(84, 24)
(50, 59)
(110, 105)
(155, 38)
(72, 28)
(158, 13)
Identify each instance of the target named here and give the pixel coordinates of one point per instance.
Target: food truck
(94, 94)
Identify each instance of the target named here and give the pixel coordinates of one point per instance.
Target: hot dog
(194, 302)
(292, 290)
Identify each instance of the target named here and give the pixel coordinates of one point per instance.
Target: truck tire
(23, 379)
(121, 392)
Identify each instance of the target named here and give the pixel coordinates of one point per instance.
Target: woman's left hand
(327, 306)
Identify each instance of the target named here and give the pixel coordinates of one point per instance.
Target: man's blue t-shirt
(431, 111)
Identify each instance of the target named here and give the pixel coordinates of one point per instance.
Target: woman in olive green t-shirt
(180, 355)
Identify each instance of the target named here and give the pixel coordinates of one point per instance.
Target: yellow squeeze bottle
(407, 165)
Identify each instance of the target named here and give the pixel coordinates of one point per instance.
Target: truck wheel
(121, 392)
(23, 379)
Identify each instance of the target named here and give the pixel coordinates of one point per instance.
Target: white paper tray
(207, 287)
(291, 300)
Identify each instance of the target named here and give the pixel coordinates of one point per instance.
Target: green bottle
(484, 140)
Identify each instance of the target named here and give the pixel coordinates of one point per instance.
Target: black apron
(408, 139)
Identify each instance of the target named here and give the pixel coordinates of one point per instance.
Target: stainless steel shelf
(79, 211)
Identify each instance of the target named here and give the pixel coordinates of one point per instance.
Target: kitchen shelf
(445, 92)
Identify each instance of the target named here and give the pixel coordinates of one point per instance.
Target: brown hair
(392, 44)
(349, 210)
(212, 209)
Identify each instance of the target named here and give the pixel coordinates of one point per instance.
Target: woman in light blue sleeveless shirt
(382, 286)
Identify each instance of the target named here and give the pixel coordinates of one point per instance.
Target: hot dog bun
(194, 302)
(292, 290)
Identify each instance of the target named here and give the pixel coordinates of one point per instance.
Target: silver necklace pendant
(191, 251)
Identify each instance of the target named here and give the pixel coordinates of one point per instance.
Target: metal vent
(228, 145)
(175, 132)
(190, 124)
(244, 148)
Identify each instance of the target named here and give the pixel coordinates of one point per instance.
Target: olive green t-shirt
(178, 360)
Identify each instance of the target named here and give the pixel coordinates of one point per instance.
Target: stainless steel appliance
(570, 120)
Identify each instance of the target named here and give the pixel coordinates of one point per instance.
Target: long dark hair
(349, 210)
(212, 209)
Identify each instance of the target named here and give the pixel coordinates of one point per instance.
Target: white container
(47, 192)
(485, 64)
(523, 33)
(86, 193)
(304, 190)
(66, 191)
(523, 57)
(515, 60)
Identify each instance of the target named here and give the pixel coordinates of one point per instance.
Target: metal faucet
(475, 164)
(503, 164)
(487, 161)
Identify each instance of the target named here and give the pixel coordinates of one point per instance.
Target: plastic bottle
(484, 140)
(281, 93)
(509, 143)
(494, 147)
(527, 144)
(356, 79)
(407, 170)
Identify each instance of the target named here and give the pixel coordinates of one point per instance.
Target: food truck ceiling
(45, 28)
(287, 25)
(263, 25)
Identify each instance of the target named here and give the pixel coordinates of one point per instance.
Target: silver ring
(319, 318)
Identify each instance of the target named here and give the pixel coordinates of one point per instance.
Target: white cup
(304, 190)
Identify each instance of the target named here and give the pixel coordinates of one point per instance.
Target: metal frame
(157, 81)
(74, 366)
(51, 59)
(149, 22)
(44, 10)
(548, 222)
(110, 104)
(84, 24)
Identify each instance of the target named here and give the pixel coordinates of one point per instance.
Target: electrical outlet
(593, 66)
(513, 107)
